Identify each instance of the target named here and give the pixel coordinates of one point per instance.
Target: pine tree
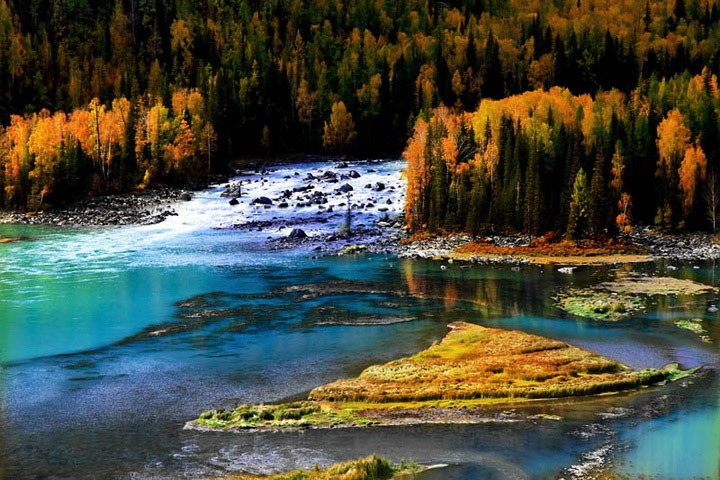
(493, 84)
(598, 213)
(577, 226)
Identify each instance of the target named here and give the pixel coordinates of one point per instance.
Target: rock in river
(345, 188)
(297, 234)
(234, 201)
(263, 201)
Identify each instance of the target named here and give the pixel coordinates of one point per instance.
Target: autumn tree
(692, 172)
(339, 132)
(306, 106)
(673, 139)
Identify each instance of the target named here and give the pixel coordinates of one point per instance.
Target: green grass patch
(599, 304)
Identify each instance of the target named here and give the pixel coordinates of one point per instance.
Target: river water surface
(112, 339)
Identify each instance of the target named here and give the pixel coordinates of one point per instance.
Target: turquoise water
(111, 339)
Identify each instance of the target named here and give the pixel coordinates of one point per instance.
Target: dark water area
(112, 339)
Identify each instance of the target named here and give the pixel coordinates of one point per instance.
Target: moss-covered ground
(624, 296)
(598, 304)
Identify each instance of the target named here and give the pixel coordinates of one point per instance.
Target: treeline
(551, 161)
(271, 71)
(46, 158)
(351, 76)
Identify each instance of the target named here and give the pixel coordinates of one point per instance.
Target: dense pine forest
(101, 96)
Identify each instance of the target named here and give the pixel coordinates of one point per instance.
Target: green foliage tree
(577, 225)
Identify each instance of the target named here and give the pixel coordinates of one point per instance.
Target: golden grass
(370, 468)
(476, 362)
(473, 366)
(540, 251)
(644, 285)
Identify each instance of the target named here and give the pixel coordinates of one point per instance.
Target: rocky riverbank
(686, 246)
(651, 245)
(137, 208)
(324, 206)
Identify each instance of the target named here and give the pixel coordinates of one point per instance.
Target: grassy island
(370, 468)
(620, 298)
(471, 367)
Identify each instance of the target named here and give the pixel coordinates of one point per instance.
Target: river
(112, 338)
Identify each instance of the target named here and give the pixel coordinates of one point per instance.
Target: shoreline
(143, 207)
(137, 207)
(657, 246)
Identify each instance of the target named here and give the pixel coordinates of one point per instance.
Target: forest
(587, 166)
(101, 96)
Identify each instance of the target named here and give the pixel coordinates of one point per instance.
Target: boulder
(185, 197)
(345, 188)
(263, 201)
(379, 186)
(232, 190)
(354, 174)
(297, 234)
(234, 201)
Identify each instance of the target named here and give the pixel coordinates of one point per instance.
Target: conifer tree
(577, 225)
(598, 213)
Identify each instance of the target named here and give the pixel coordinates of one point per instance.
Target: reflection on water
(109, 344)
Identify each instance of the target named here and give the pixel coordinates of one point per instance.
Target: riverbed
(111, 339)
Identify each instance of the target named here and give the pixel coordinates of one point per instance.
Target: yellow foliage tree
(339, 133)
(692, 171)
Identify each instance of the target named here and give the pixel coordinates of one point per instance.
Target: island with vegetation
(370, 468)
(471, 368)
(625, 296)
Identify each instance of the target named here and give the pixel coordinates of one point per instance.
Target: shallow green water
(110, 339)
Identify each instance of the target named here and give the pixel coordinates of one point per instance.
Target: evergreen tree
(493, 83)
(577, 224)
(598, 207)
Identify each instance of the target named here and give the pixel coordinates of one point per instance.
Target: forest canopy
(291, 75)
